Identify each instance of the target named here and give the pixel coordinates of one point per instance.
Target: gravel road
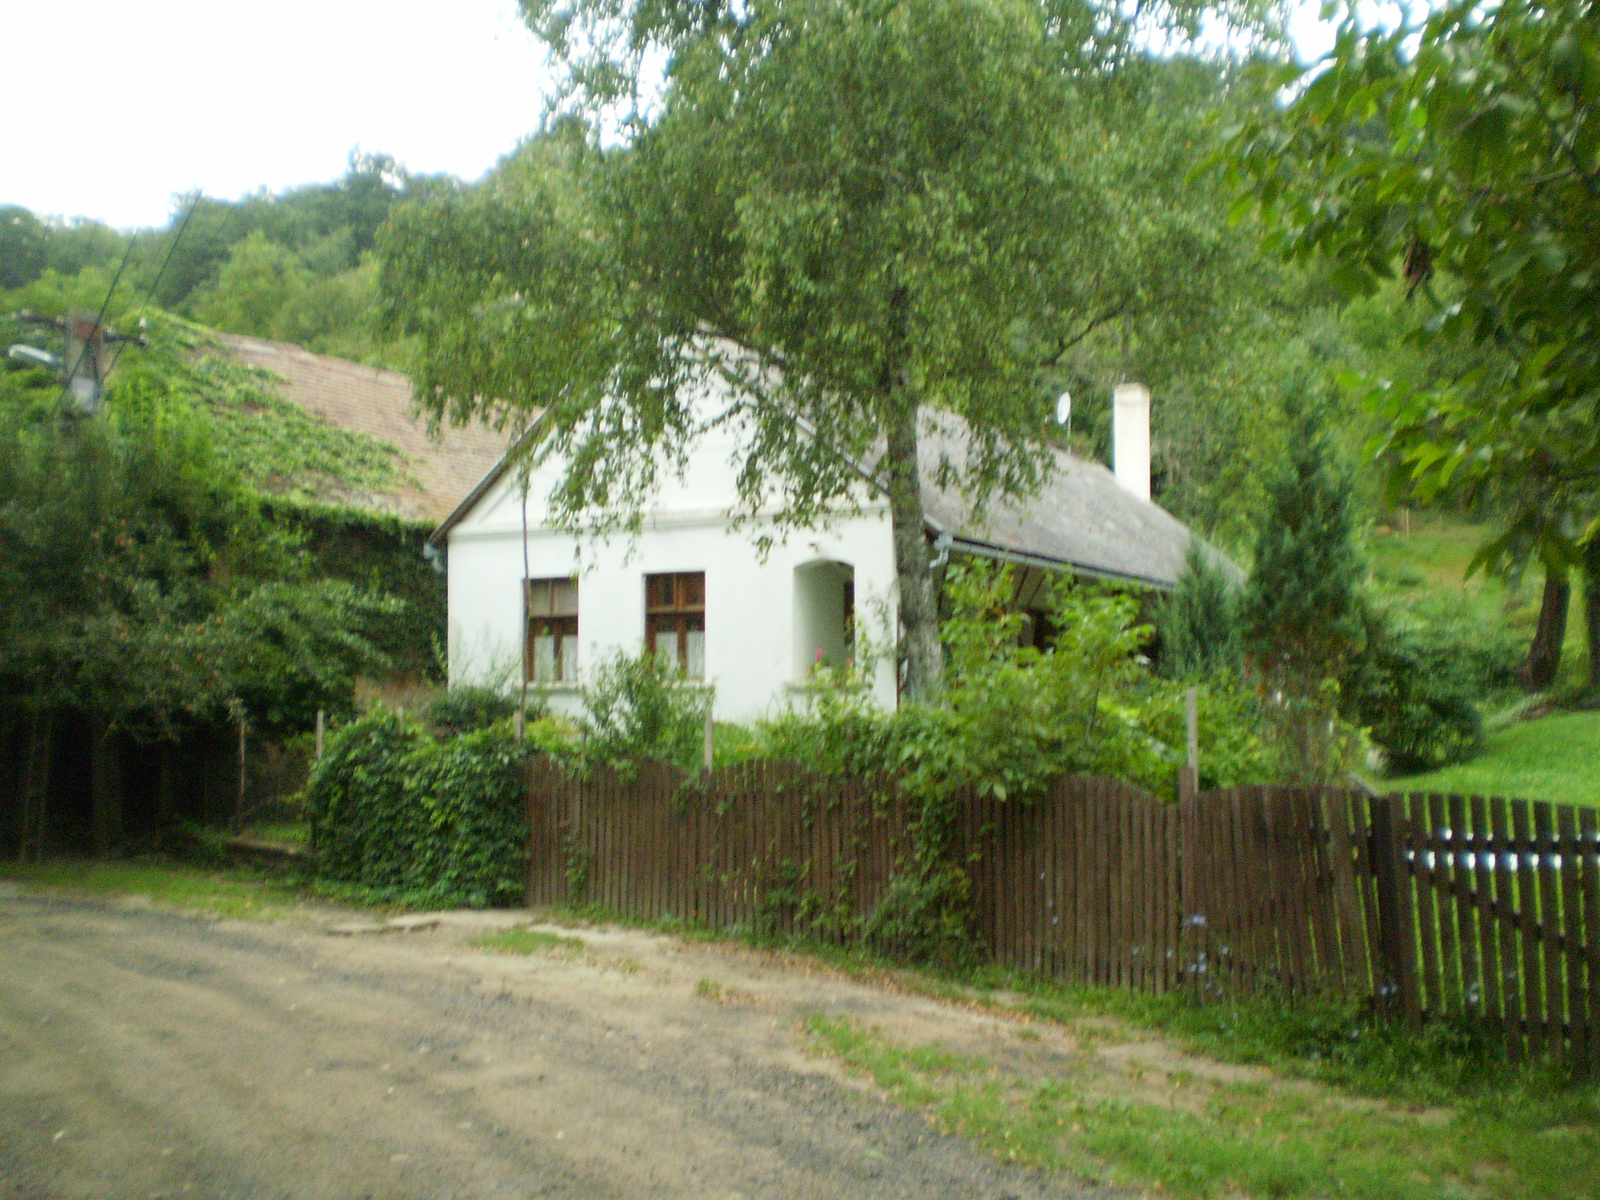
(146, 1053)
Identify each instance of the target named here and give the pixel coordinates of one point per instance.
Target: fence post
(1397, 953)
(709, 746)
(1191, 931)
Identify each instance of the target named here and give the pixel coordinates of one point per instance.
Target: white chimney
(1130, 437)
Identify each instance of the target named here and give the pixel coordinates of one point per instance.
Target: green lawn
(1553, 758)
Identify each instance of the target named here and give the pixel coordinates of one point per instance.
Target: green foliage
(1301, 606)
(640, 707)
(295, 266)
(1456, 149)
(422, 821)
(1419, 682)
(1200, 634)
(271, 443)
(1016, 717)
(143, 584)
(924, 915)
(1301, 610)
(463, 709)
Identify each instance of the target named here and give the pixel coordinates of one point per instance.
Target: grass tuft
(529, 941)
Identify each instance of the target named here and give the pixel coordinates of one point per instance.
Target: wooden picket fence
(1469, 908)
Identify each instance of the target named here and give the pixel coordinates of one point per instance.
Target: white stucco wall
(758, 631)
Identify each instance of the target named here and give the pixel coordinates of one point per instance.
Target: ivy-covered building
(234, 543)
(336, 444)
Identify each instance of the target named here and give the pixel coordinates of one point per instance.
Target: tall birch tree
(852, 212)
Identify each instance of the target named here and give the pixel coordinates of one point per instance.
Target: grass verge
(1551, 758)
(1200, 1138)
(232, 892)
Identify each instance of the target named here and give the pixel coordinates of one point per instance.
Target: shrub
(640, 707)
(418, 820)
(1016, 717)
(1418, 683)
(463, 709)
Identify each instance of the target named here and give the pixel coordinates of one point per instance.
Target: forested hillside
(295, 266)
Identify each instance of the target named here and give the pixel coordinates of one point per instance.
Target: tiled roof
(1081, 517)
(375, 402)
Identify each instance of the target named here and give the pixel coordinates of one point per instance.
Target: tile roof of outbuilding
(378, 403)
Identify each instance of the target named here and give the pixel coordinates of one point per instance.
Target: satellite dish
(1064, 409)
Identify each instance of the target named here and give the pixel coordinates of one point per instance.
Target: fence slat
(1578, 1014)
(1422, 879)
(1466, 908)
(1506, 926)
(1553, 1008)
(1589, 832)
(1489, 973)
(1527, 910)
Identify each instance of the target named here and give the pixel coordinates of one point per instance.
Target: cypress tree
(1301, 609)
(1200, 636)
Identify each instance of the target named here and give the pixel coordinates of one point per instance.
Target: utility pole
(84, 363)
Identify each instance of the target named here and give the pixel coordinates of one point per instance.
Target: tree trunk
(105, 785)
(913, 565)
(1591, 609)
(36, 783)
(919, 605)
(167, 786)
(1544, 655)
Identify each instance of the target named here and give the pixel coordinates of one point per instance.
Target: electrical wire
(150, 292)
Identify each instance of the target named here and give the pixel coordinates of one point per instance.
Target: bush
(421, 821)
(1017, 717)
(463, 709)
(640, 707)
(1418, 682)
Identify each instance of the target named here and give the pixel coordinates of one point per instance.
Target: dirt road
(145, 1053)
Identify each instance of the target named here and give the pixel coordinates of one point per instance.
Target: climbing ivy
(431, 822)
(275, 445)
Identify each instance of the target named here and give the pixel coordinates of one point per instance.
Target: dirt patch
(145, 1053)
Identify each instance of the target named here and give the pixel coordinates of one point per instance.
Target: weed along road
(145, 1052)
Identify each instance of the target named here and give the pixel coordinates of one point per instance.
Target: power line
(172, 249)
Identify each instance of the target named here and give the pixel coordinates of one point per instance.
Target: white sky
(113, 109)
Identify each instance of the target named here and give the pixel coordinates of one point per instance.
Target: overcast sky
(113, 109)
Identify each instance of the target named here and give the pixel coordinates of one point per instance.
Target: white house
(691, 588)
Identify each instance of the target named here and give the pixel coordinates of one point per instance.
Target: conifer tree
(1301, 608)
(1200, 636)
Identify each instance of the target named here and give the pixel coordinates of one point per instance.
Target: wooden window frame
(675, 606)
(550, 609)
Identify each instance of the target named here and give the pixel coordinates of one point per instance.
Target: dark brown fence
(1484, 909)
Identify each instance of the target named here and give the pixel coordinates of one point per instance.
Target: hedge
(419, 820)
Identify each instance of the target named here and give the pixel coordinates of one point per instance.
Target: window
(824, 618)
(552, 648)
(675, 620)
